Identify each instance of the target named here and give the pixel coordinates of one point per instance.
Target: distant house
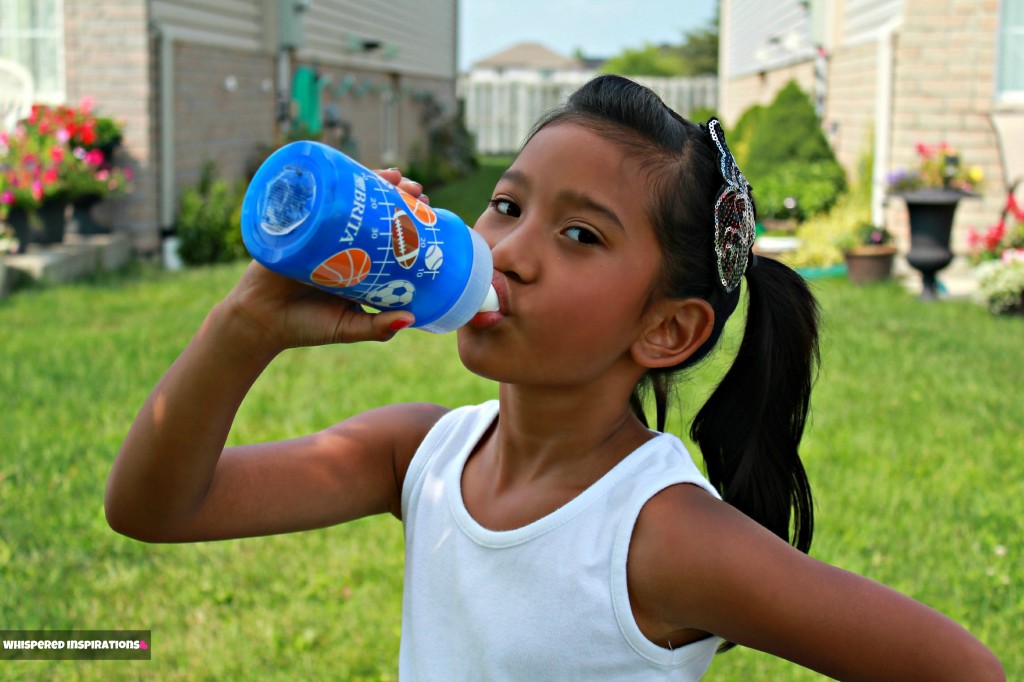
(506, 92)
(887, 74)
(527, 59)
(224, 80)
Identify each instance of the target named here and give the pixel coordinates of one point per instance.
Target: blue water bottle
(314, 215)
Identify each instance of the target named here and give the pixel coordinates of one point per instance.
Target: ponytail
(751, 426)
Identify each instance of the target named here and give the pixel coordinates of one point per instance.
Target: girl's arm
(697, 563)
(173, 480)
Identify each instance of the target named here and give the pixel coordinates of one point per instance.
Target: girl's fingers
(411, 187)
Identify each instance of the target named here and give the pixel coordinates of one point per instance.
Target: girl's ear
(673, 330)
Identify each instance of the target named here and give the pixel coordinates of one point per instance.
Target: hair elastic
(734, 215)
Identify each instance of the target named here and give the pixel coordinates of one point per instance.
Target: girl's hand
(394, 176)
(278, 313)
(281, 313)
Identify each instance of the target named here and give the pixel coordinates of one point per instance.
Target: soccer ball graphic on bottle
(391, 295)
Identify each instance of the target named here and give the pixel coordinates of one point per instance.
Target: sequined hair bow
(734, 215)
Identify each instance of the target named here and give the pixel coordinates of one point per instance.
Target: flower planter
(81, 216)
(869, 264)
(931, 214)
(45, 225)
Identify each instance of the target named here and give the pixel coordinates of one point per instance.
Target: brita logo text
(355, 218)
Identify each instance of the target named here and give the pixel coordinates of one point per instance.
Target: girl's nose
(517, 251)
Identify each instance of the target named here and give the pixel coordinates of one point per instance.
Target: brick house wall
(108, 58)
(850, 105)
(944, 91)
(224, 107)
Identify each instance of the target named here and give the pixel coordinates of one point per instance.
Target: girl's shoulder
(403, 425)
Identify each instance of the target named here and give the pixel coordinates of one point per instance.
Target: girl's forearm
(167, 461)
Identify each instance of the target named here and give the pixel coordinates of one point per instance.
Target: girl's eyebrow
(569, 196)
(585, 201)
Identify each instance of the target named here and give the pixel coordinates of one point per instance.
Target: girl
(551, 534)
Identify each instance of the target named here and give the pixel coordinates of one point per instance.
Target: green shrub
(209, 220)
(450, 152)
(784, 154)
(814, 184)
(701, 115)
(739, 137)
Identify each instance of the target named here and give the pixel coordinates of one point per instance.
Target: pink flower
(103, 175)
(1013, 256)
(37, 190)
(50, 176)
(973, 238)
(7, 197)
(63, 135)
(86, 104)
(994, 235)
(1013, 207)
(924, 150)
(94, 157)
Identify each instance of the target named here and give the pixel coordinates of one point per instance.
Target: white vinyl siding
(230, 23)
(416, 38)
(765, 36)
(863, 18)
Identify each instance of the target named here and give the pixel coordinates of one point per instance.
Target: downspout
(167, 37)
(883, 117)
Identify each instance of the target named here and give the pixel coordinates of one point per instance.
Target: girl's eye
(505, 207)
(582, 235)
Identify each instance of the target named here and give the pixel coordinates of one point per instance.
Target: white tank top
(547, 601)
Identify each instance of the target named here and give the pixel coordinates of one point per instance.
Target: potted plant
(998, 255)
(869, 253)
(90, 173)
(932, 193)
(30, 199)
(56, 156)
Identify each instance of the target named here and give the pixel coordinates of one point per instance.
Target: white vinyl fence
(502, 108)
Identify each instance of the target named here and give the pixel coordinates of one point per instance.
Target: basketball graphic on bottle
(345, 269)
(422, 211)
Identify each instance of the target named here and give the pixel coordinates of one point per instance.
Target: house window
(1010, 76)
(32, 34)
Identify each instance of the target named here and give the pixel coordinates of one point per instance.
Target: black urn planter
(81, 215)
(931, 214)
(44, 225)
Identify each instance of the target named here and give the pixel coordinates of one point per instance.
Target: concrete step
(77, 257)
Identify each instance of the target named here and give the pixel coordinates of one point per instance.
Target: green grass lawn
(914, 450)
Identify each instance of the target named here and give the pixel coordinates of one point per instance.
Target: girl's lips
(485, 320)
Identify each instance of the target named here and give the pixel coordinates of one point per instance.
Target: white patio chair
(16, 92)
(1009, 127)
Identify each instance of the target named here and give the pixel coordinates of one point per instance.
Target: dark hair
(751, 426)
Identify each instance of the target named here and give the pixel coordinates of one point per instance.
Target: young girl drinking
(550, 534)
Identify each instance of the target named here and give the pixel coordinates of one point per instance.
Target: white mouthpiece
(490, 303)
